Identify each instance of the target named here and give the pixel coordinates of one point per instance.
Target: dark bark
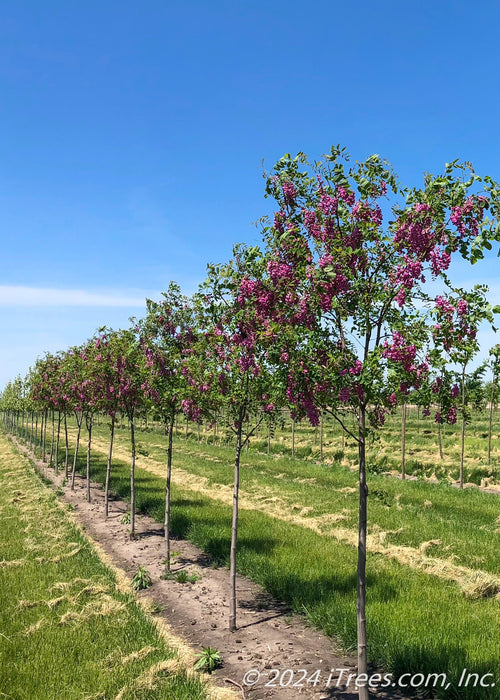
(361, 573)
(462, 433)
(89, 420)
(51, 460)
(66, 446)
(321, 437)
(108, 467)
(75, 456)
(56, 463)
(132, 480)
(234, 530)
(403, 441)
(490, 430)
(167, 493)
(44, 433)
(440, 440)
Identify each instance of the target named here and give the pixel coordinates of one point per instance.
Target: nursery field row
(71, 626)
(432, 554)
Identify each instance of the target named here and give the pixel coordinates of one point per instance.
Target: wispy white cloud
(37, 296)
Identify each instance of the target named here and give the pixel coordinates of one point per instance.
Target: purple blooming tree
(352, 288)
(458, 316)
(166, 336)
(495, 370)
(229, 370)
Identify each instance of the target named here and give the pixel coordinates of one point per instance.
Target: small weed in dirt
(141, 579)
(208, 660)
(126, 519)
(184, 577)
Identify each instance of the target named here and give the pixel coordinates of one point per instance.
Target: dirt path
(270, 640)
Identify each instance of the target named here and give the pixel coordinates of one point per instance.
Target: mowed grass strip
(441, 522)
(417, 623)
(68, 629)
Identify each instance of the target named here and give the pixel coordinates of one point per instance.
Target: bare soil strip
(269, 635)
(47, 531)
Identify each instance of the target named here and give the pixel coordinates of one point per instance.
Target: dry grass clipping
(276, 507)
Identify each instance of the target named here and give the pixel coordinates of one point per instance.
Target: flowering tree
(129, 364)
(166, 336)
(229, 368)
(458, 317)
(350, 287)
(107, 347)
(495, 369)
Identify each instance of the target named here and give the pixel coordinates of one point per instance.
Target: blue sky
(132, 135)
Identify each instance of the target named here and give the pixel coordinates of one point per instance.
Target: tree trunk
(66, 446)
(108, 468)
(167, 493)
(88, 419)
(403, 441)
(132, 480)
(361, 573)
(440, 441)
(462, 435)
(44, 433)
(234, 532)
(321, 437)
(51, 460)
(56, 464)
(75, 457)
(293, 437)
(490, 429)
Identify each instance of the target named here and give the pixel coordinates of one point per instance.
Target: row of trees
(333, 314)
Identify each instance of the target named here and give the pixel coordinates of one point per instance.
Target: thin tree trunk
(51, 460)
(56, 464)
(132, 480)
(108, 468)
(321, 437)
(462, 435)
(167, 493)
(36, 433)
(66, 446)
(490, 430)
(234, 532)
(75, 456)
(403, 441)
(361, 573)
(293, 437)
(440, 441)
(89, 419)
(44, 433)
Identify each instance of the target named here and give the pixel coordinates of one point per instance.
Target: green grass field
(433, 562)
(67, 628)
